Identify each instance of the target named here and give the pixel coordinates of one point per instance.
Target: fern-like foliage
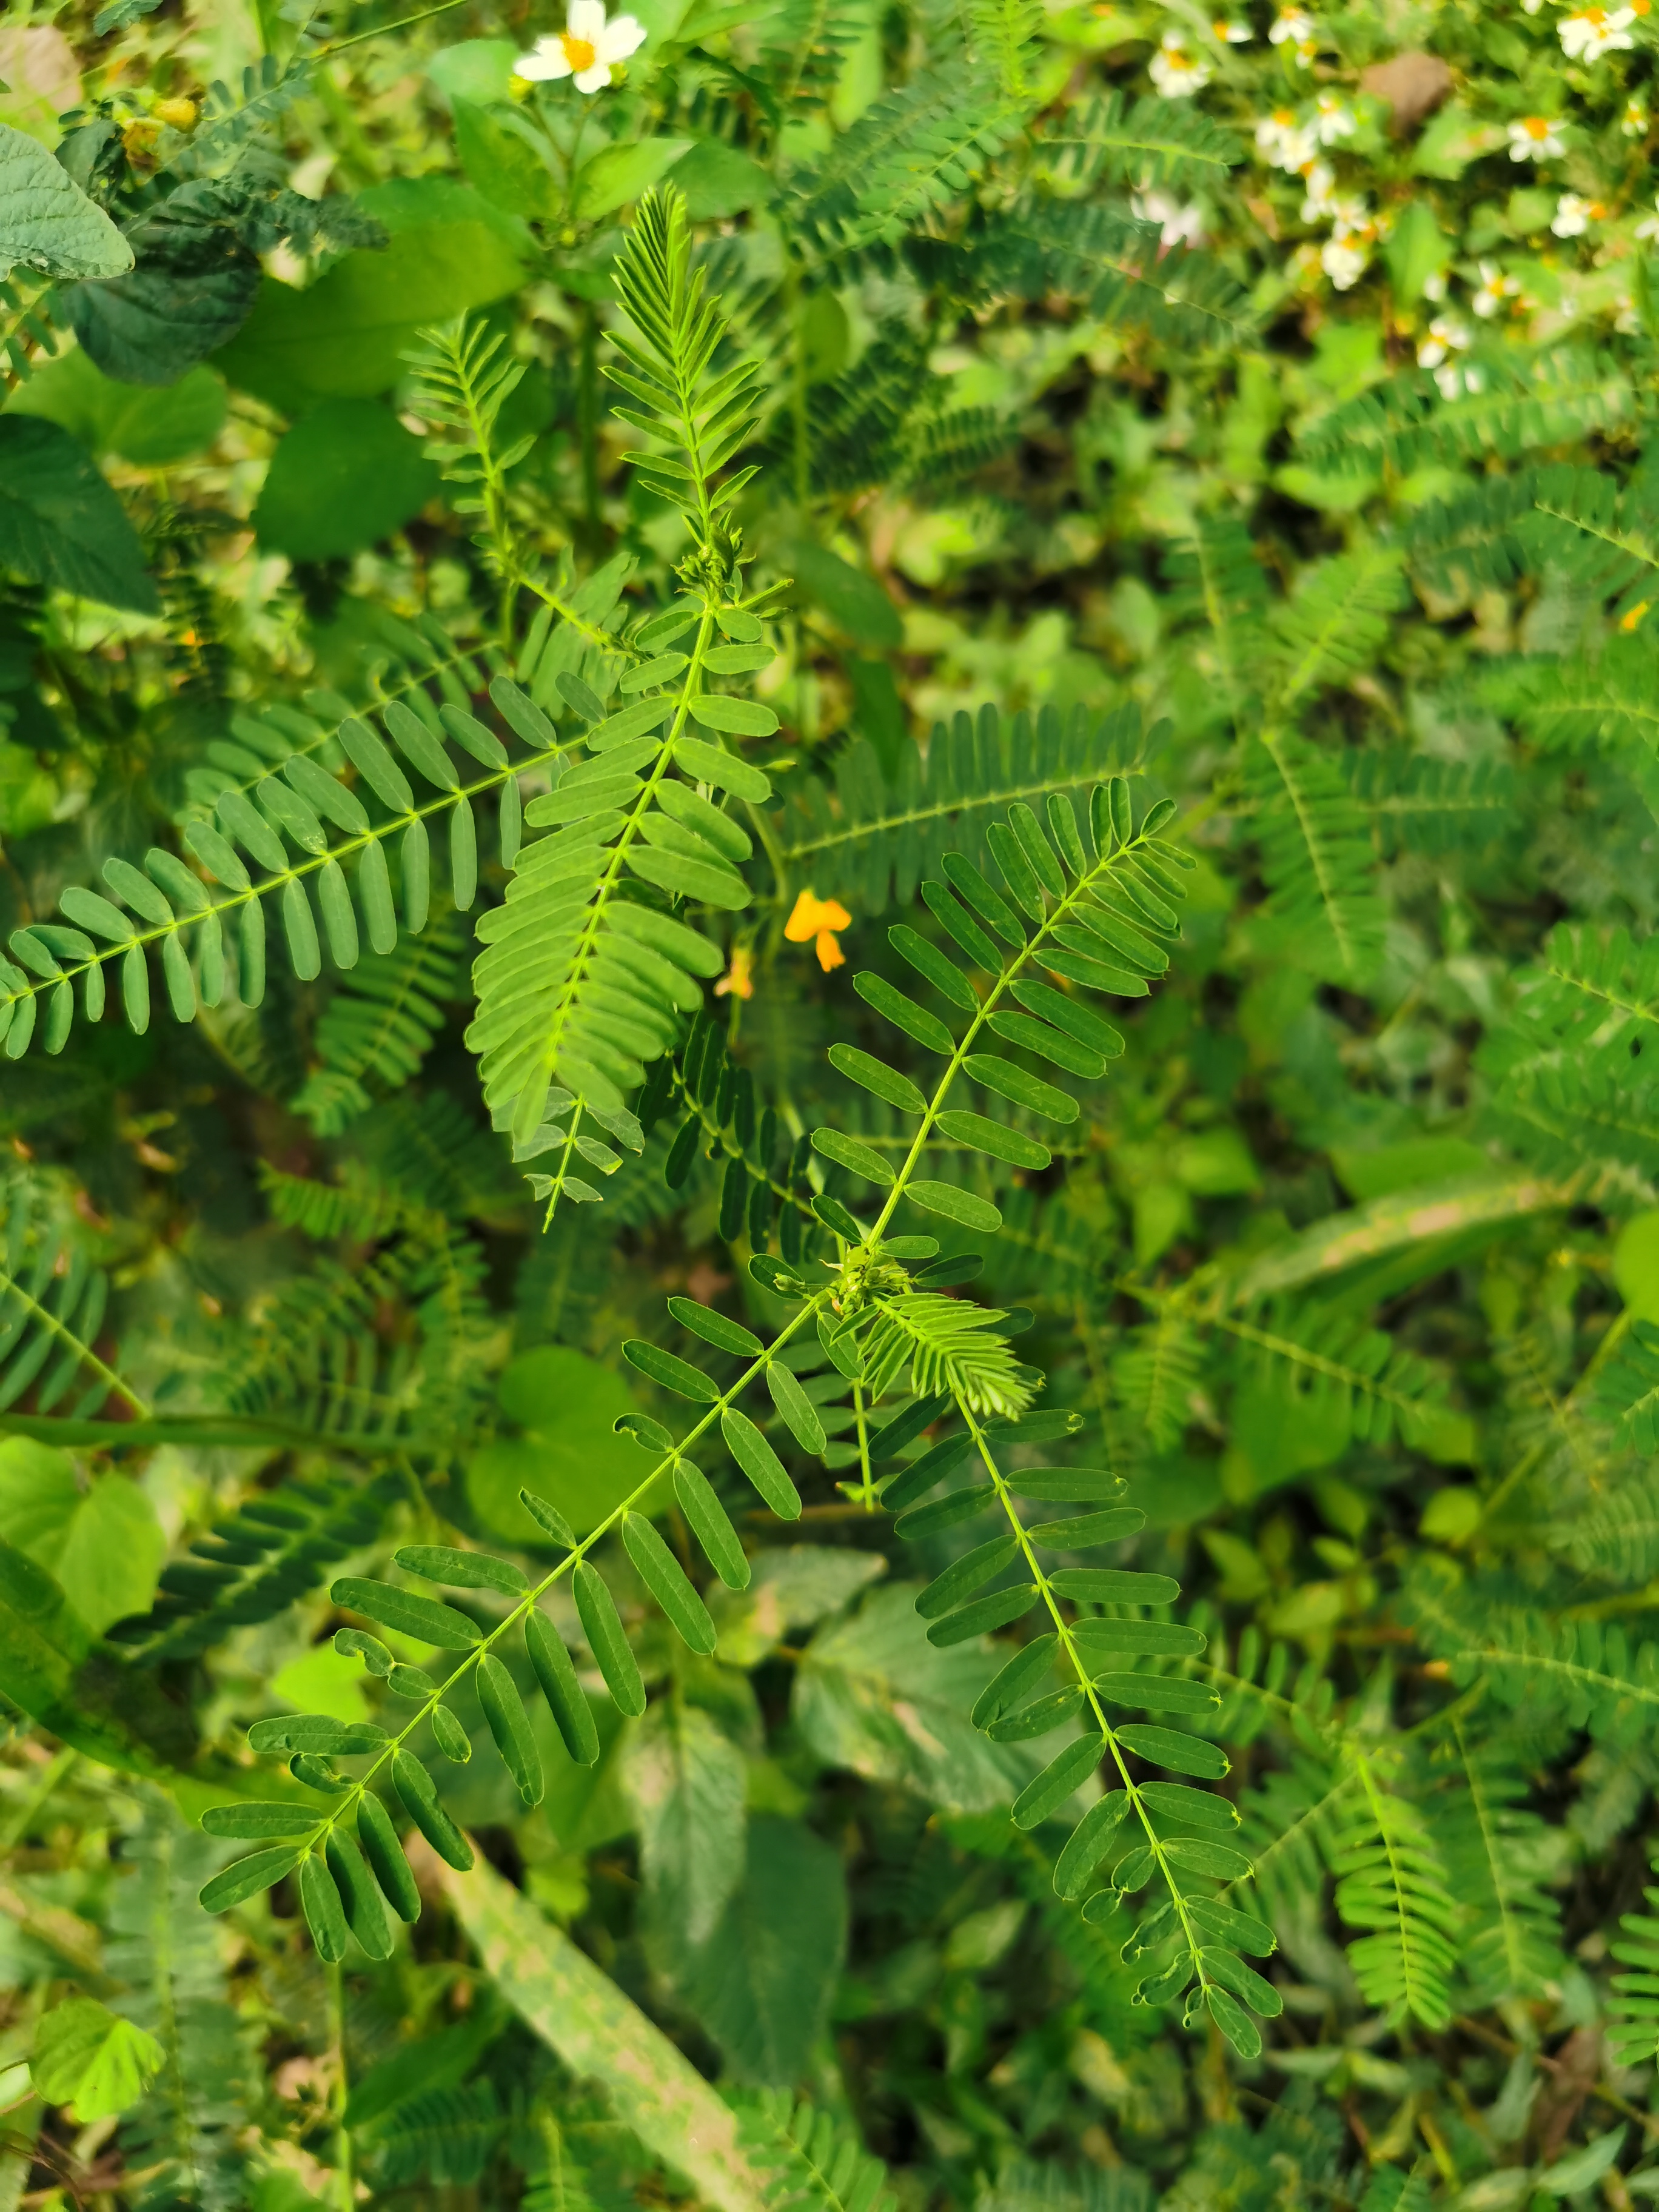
(1589, 1673)
(1218, 576)
(1391, 1883)
(1622, 1533)
(52, 1304)
(1555, 397)
(1601, 702)
(185, 2143)
(582, 983)
(1635, 2031)
(1326, 1362)
(186, 917)
(1316, 855)
(1110, 261)
(379, 1026)
(867, 841)
(463, 377)
(814, 2163)
(1491, 1845)
(913, 149)
(254, 1563)
(1334, 623)
(1420, 805)
(1147, 141)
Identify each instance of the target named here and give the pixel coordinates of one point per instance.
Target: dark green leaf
(1057, 1781)
(667, 1581)
(984, 1614)
(247, 1821)
(563, 1693)
(324, 1914)
(1182, 1754)
(1089, 1842)
(966, 1575)
(61, 525)
(904, 1013)
(714, 1329)
(384, 1854)
(406, 1611)
(248, 1876)
(419, 1797)
(441, 1563)
(799, 1415)
(509, 1725)
(886, 1083)
(847, 1153)
(760, 1463)
(602, 1625)
(676, 1374)
(976, 1215)
(711, 1525)
(986, 1136)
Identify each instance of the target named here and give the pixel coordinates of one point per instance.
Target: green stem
(343, 2164)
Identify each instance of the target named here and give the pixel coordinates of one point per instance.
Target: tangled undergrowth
(829, 1236)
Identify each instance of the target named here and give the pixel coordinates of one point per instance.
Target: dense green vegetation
(830, 1219)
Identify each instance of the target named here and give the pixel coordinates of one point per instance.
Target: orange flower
(739, 981)
(819, 919)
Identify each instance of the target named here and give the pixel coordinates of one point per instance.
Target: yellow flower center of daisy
(579, 53)
(1535, 127)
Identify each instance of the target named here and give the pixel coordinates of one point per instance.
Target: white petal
(586, 20)
(624, 35)
(545, 59)
(594, 79)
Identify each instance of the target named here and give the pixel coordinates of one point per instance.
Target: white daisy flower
(1284, 142)
(587, 49)
(1333, 120)
(1454, 381)
(1447, 336)
(1574, 215)
(1294, 27)
(1231, 33)
(1319, 182)
(1343, 264)
(1634, 123)
(1178, 225)
(1494, 288)
(1534, 139)
(1649, 226)
(1589, 33)
(1434, 286)
(1176, 73)
(1350, 219)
